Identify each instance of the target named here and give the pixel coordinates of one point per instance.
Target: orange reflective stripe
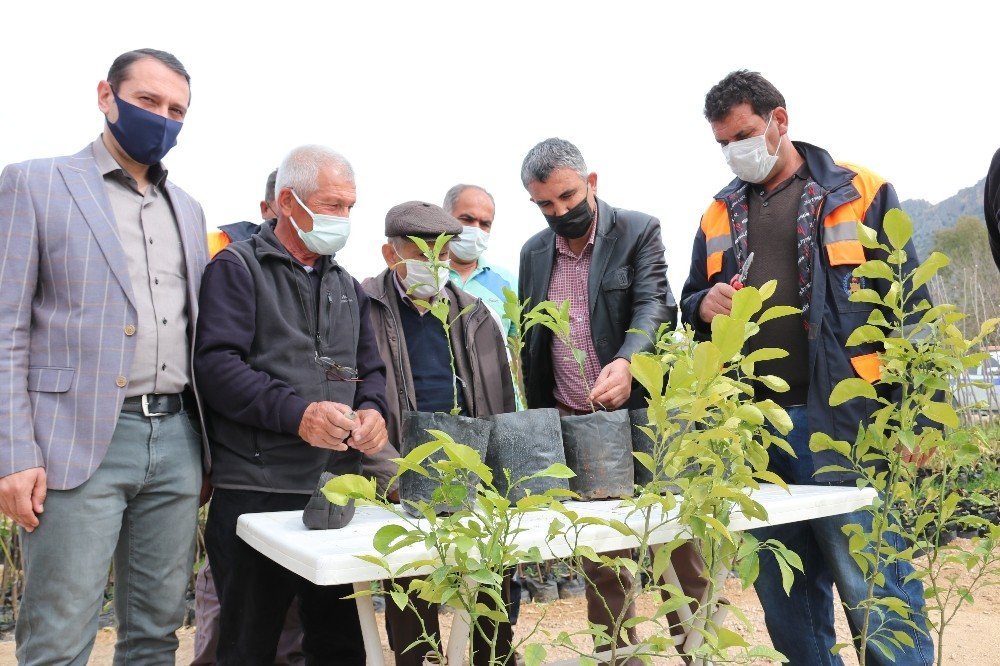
(846, 252)
(840, 226)
(217, 241)
(868, 367)
(714, 266)
(715, 226)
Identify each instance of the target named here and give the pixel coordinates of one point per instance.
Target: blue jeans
(138, 511)
(801, 623)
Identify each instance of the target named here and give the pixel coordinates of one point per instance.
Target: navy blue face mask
(145, 136)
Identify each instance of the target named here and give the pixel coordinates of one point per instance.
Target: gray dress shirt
(148, 232)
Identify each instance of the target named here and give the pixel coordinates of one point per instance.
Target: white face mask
(329, 233)
(421, 282)
(749, 158)
(470, 244)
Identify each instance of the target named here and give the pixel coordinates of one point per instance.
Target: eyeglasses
(335, 372)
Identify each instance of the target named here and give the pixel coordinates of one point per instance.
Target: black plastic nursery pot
(598, 448)
(321, 514)
(641, 443)
(525, 443)
(473, 432)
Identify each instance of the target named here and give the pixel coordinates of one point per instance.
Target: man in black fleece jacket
(294, 386)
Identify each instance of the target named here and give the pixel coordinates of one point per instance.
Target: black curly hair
(742, 87)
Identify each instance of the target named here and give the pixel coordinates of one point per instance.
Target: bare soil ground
(972, 639)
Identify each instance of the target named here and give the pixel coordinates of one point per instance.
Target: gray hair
(269, 186)
(300, 169)
(451, 197)
(548, 156)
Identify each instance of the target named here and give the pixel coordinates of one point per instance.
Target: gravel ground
(972, 639)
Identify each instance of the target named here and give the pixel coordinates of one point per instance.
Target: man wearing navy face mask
(294, 385)
(797, 211)
(102, 261)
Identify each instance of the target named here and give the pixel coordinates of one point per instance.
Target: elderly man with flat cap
(418, 376)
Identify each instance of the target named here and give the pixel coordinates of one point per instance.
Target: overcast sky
(422, 95)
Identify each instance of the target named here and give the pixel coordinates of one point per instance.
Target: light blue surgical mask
(329, 233)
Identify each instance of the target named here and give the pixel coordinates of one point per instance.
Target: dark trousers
(606, 592)
(255, 593)
(404, 627)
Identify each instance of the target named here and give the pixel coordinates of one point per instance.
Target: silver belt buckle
(145, 407)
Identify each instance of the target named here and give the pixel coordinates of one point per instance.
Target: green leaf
(865, 334)
(768, 288)
(648, 371)
(778, 311)
(746, 303)
(866, 296)
(728, 335)
(942, 413)
(874, 269)
(766, 354)
(534, 655)
(750, 414)
(728, 638)
(383, 539)
(421, 244)
(898, 228)
(851, 388)
(868, 238)
(929, 269)
(645, 460)
(707, 361)
(787, 575)
(774, 383)
(776, 415)
(557, 471)
(399, 598)
(820, 441)
(341, 489)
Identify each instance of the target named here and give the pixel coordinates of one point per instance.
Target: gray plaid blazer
(65, 299)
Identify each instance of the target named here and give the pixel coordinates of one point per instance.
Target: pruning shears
(739, 281)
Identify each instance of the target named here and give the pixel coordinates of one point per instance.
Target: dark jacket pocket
(50, 379)
(620, 278)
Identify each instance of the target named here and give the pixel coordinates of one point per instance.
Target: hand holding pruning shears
(719, 299)
(740, 279)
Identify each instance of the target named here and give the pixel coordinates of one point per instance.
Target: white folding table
(330, 557)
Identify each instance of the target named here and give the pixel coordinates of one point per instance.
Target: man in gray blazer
(101, 455)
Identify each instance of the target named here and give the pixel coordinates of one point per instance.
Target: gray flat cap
(418, 218)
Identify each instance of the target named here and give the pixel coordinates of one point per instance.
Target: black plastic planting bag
(599, 449)
(526, 443)
(474, 433)
(320, 513)
(641, 443)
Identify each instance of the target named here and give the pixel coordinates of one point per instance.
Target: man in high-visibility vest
(797, 212)
(237, 231)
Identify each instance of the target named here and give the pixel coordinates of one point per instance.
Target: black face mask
(574, 223)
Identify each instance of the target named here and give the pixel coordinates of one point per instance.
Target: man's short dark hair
(269, 186)
(120, 67)
(742, 87)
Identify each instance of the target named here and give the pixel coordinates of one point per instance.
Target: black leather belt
(155, 404)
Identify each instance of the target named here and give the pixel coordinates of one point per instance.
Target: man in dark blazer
(102, 259)
(991, 206)
(609, 263)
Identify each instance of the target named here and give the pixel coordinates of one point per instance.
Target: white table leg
(458, 639)
(369, 629)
